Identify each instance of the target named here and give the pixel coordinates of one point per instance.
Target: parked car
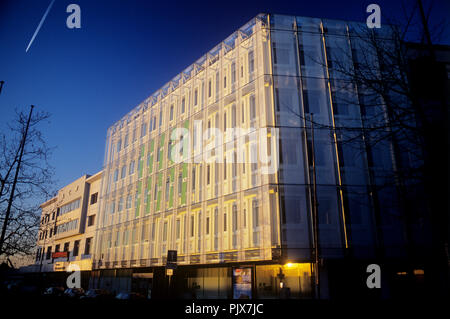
(74, 292)
(54, 291)
(97, 294)
(130, 296)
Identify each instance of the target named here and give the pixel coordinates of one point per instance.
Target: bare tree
(34, 183)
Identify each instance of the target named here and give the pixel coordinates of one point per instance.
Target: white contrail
(40, 24)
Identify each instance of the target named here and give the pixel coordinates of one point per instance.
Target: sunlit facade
(67, 227)
(219, 207)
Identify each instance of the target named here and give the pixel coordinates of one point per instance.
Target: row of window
(122, 173)
(231, 116)
(53, 230)
(69, 226)
(211, 224)
(75, 251)
(183, 103)
(69, 207)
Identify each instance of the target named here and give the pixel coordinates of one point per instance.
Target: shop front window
(291, 281)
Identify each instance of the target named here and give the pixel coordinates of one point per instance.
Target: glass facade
(195, 180)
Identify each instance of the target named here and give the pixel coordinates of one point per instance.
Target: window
(136, 199)
(57, 248)
(180, 182)
(208, 132)
(234, 218)
(76, 247)
(49, 252)
(167, 188)
(178, 229)
(171, 112)
(252, 108)
(131, 169)
(234, 164)
(194, 136)
(91, 219)
(66, 247)
(225, 121)
(123, 172)
(134, 235)
(225, 81)
(224, 221)
(119, 145)
(192, 225)
(182, 146)
(207, 225)
(255, 213)
(208, 173)
(183, 105)
(117, 241)
(87, 246)
(165, 231)
(209, 88)
(217, 85)
(125, 237)
(129, 199)
(153, 230)
(158, 155)
(94, 198)
(251, 62)
(245, 218)
(69, 207)
(225, 168)
(143, 129)
(116, 175)
(193, 179)
(195, 96)
(169, 149)
(233, 72)
(255, 210)
(216, 228)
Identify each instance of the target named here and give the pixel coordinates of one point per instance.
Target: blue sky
(89, 78)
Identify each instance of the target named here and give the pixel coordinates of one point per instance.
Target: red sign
(60, 254)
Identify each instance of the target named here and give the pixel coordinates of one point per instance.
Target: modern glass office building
(225, 165)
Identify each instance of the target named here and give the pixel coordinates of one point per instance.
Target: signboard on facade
(60, 254)
(59, 266)
(242, 283)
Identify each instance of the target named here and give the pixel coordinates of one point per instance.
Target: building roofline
(190, 71)
(94, 177)
(48, 202)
